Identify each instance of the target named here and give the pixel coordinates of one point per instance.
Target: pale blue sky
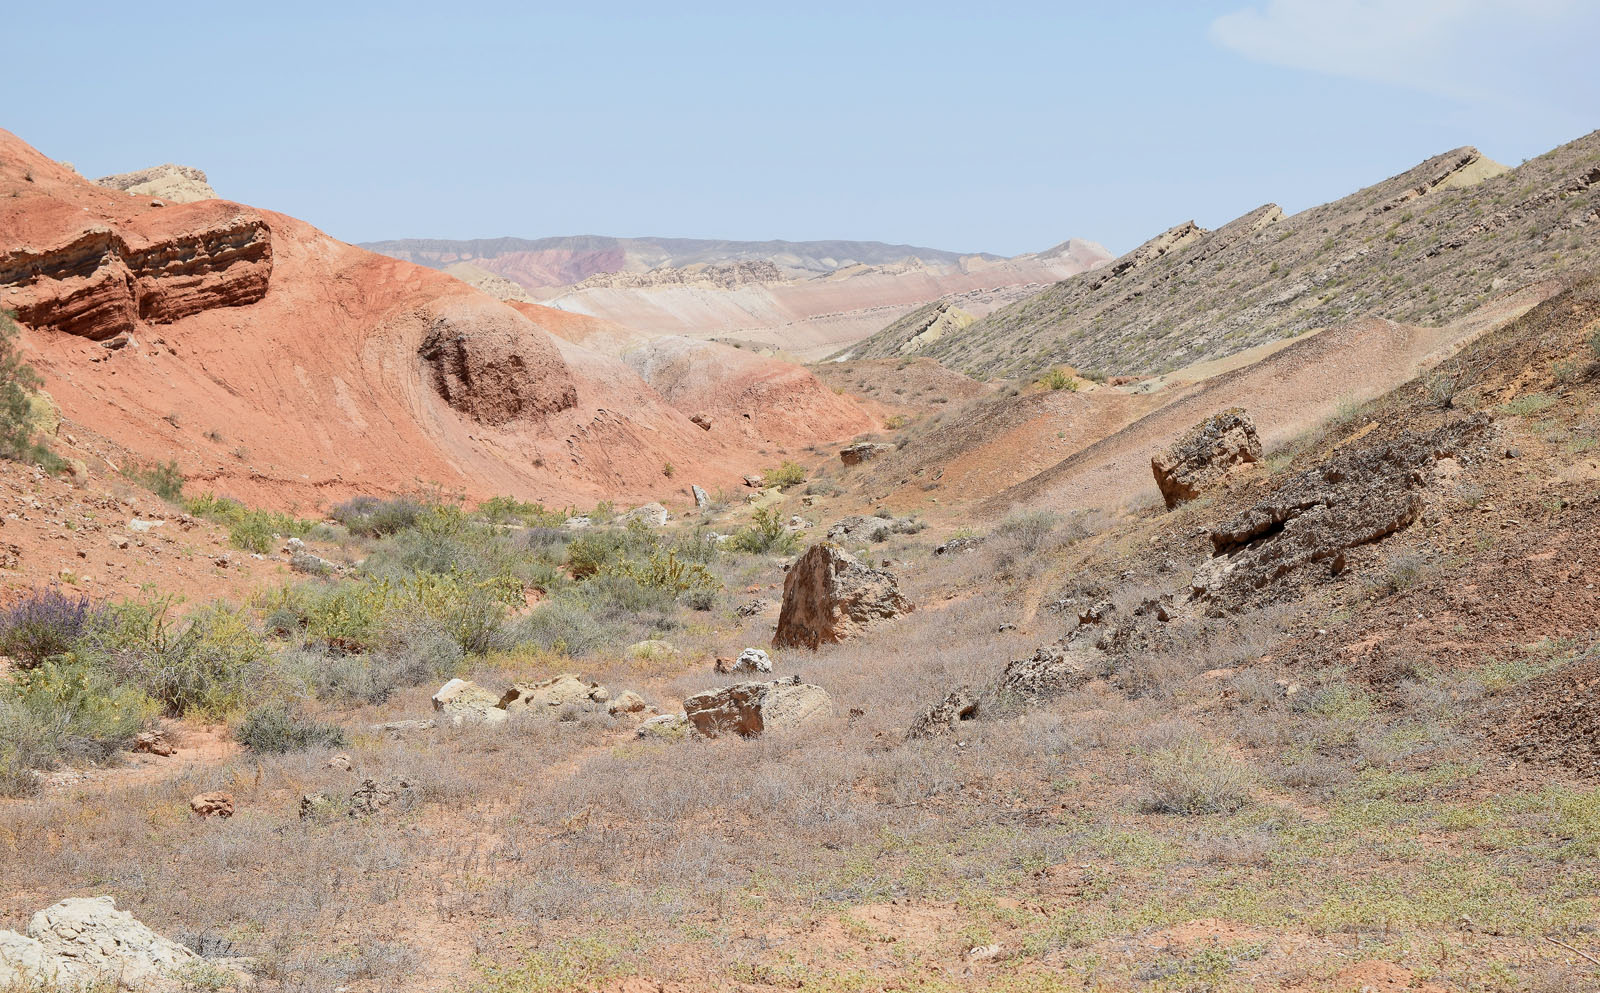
(924, 123)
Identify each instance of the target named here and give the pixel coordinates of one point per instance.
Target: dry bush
(1190, 777)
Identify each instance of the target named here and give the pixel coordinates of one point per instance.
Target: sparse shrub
(164, 480)
(562, 626)
(766, 535)
(1029, 529)
(1191, 778)
(668, 470)
(1058, 379)
(213, 664)
(275, 729)
(1402, 572)
(248, 530)
(788, 474)
(1441, 390)
(64, 708)
(1528, 404)
(43, 623)
(371, 517)
(505, 510)
(894, 422)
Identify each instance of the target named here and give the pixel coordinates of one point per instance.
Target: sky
(976, 126)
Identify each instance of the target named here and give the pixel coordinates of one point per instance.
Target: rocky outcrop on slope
(1204, 455)
(1317, 515)
(172, 183)
(105, 279)
(829, 595)
(485, 367)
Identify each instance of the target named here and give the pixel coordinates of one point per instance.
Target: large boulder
(750, 709)
(87, 941)
(829, 596)
(1203, 456)
(465, 702)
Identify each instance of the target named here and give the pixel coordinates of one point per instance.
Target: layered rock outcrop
(103, 280)
(1318, 515)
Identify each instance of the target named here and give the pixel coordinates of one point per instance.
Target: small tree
(16, 379)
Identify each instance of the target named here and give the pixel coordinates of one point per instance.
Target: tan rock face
(1203, 456)
(172, 183)
(87, 940)
(750, 709)
(829, 595)
(465, 701)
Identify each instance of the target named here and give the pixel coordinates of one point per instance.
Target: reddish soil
(316, 390)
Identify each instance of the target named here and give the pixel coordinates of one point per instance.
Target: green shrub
(275, 729)
(65, 708)
(165, 481)
(1058, 379)
(766, 535)
(788, 474)
(211, 664)
(248, 530)
(598, 548)
(17, 440)
(506, 510)
(667, 572)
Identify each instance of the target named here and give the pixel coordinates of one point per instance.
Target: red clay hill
(288, 369)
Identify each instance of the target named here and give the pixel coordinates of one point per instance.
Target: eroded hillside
(1424, 247)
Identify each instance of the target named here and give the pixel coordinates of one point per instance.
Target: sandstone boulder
(701, 499)
(858, 530)
(829, 595)
(665, 726)
(652, 514)
(1203, 456)
(750, 660)
(750, 709)
(554, 695)
(627, 702)
(485, 365)
(464, 701)
(218, 805)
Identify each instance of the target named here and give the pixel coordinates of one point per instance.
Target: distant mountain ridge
(806, 298)
(566, 260)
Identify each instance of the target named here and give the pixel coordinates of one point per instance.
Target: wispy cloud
(1473, 51)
